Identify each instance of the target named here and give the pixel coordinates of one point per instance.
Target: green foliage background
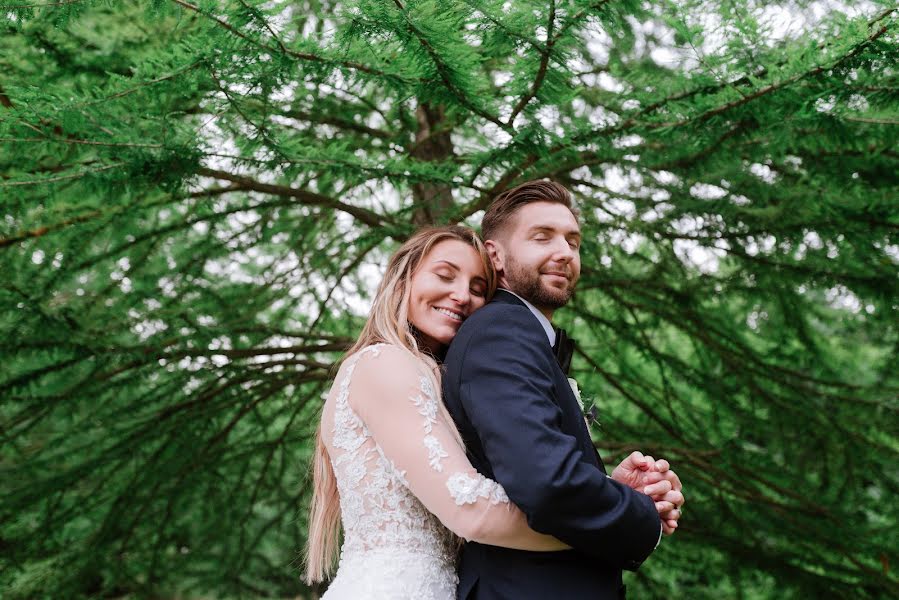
(198, 198)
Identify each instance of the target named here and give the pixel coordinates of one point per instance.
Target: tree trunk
(432, 143)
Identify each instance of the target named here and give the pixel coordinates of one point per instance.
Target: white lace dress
(406, 485)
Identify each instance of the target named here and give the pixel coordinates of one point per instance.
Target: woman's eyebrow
(453, 265)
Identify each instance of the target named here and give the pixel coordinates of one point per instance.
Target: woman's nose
(461, 294)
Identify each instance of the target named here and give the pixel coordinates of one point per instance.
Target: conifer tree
(199, 196)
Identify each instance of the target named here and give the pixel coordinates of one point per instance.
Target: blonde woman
(390, 466)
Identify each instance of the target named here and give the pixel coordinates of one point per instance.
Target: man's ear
(497, 254)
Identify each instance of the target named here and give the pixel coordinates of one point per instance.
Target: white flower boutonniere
(589, 413)
(576, 391)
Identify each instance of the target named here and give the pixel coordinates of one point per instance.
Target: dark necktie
(563, 349)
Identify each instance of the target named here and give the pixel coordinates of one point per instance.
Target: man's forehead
(546, 215)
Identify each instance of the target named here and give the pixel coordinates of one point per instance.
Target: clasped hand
(655, 479)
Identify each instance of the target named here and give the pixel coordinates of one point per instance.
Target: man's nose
(564, 252)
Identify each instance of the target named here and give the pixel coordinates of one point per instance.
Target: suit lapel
(561, 379)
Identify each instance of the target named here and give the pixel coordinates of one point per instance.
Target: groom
(523, 427)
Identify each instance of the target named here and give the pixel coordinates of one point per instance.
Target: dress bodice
(378, 511)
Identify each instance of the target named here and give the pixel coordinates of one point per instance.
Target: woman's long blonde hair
(387, 323)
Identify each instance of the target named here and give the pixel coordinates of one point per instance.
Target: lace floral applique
(466, 489)
(435, 452)
(426, 402)
(427, 405)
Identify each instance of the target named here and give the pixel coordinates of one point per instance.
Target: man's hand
(670, 505)
(657, 480)
(637, 471)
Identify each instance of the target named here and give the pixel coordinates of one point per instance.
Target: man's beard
(527, 284)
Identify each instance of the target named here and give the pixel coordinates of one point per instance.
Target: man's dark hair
(502, 210)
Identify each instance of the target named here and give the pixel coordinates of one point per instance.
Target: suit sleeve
(506, 389)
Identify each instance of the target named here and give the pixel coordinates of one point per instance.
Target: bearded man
(506, 387)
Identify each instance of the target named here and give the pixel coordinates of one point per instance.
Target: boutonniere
(576, 391)
(589, 413)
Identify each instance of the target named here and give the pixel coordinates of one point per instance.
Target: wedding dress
(406, 485)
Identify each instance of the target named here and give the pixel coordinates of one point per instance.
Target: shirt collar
(544, 322)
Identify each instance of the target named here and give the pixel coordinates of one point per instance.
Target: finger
(674, 479)
(640, 461)
(651, 477)
(667, 528)
(673, 496)
(664, 509)
(672, 515)
(662, 465)
(649, 461)
(633, 461)
(659, 490)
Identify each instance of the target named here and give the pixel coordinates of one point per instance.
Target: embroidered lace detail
(427, 404)
(435, 452)
(387, 531)
(466, 489)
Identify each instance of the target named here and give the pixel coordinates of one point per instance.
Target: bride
(389, 463)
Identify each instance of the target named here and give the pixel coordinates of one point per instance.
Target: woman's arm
(393, 395)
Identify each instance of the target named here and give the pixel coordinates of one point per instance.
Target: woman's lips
(452, 315)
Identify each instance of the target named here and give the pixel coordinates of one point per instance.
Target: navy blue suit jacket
(523, 427)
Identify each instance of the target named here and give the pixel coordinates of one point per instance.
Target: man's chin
(540, 294)
(560, 290)
(553, 297)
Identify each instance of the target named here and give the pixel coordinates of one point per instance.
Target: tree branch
(780, 84)
(541, 71)
(148, 83)
(444, 72)
(363, 215)
(300, 55)
(60, 178)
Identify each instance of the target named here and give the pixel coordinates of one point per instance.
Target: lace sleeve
(393, 395)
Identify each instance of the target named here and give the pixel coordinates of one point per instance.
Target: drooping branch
(363, 215)
(545, 54)
(355, 66)
(59, 178)
(445, 72)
